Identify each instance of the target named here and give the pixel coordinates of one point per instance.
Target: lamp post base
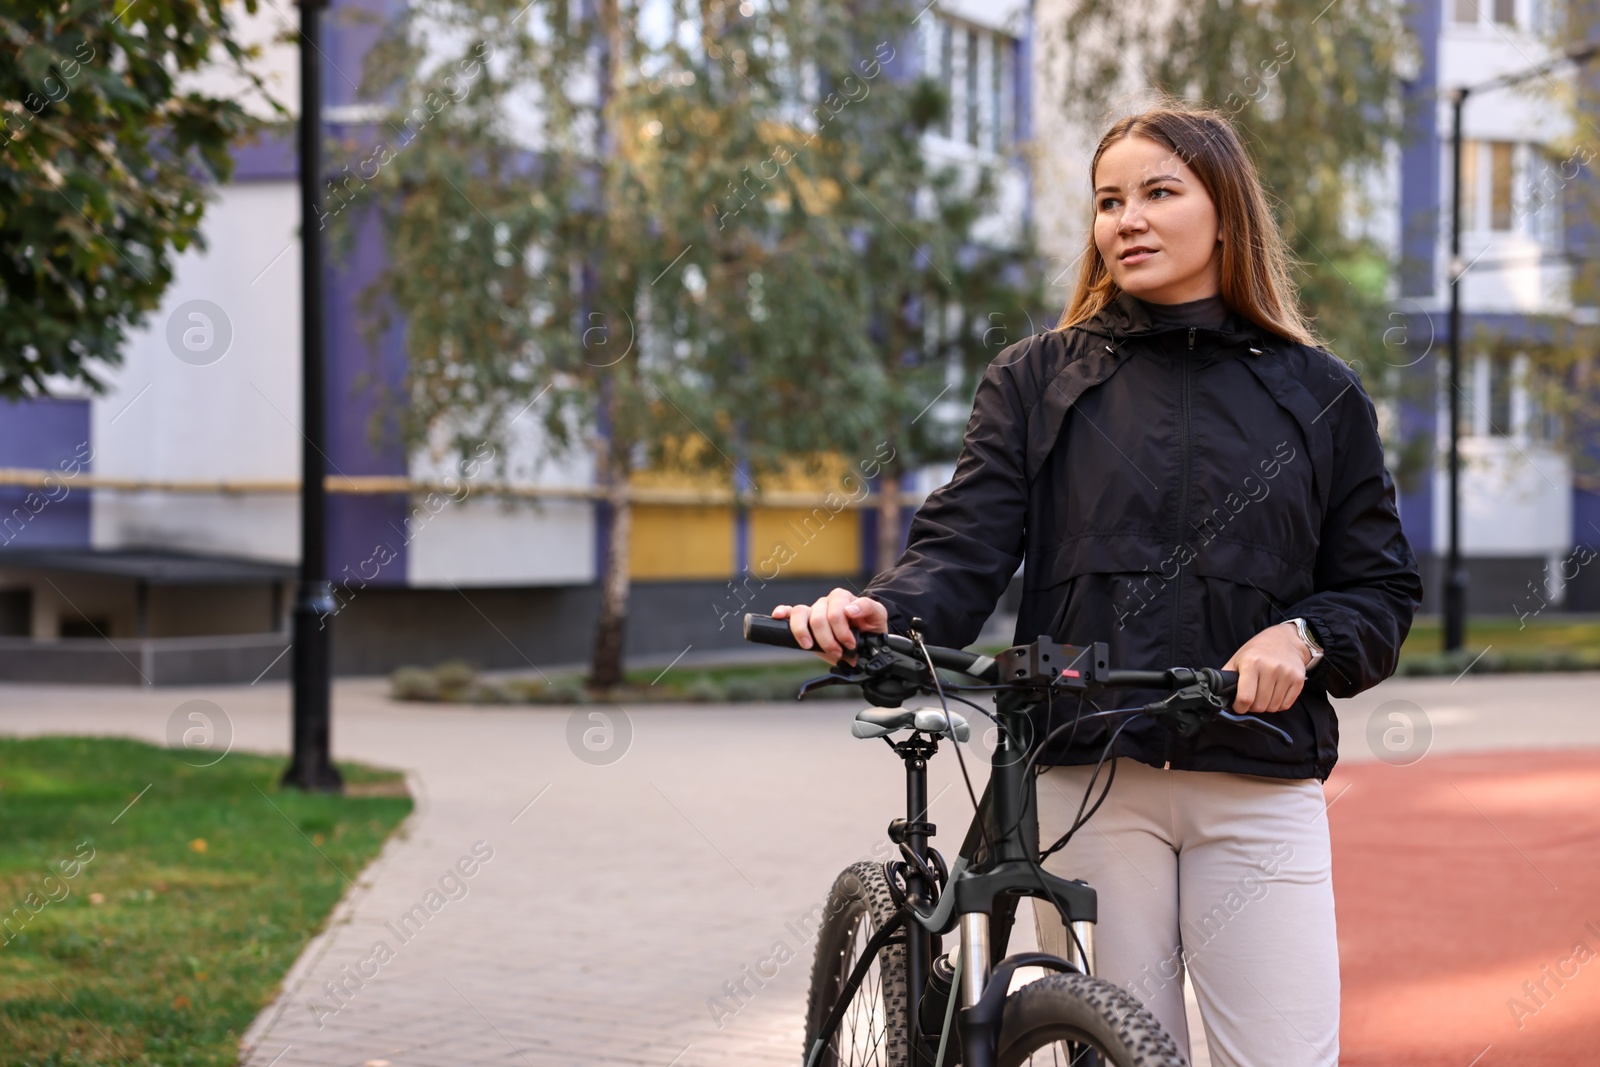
(1455, 610)
(312, 767)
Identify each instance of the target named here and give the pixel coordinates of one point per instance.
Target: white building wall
(1517, 500)
(211, 391)
(485, 540)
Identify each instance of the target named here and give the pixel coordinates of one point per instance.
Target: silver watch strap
(1304, 630)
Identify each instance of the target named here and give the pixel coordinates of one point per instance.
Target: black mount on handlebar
(887, 677)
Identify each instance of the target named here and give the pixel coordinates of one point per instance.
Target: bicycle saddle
(876, 722)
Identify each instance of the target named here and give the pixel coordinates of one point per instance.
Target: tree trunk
(889, 545)
(611, 631)
(605, 672)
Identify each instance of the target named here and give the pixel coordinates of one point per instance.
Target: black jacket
(1173, 492)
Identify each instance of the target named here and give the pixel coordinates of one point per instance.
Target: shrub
(413, 683)
(524, 690)
(705, 689)
(453, 676)
(746, 688)
(564, 691)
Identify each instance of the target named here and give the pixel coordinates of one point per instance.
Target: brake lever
(1188, 707)
(812, 684)
(1257, 723)
(886, 677)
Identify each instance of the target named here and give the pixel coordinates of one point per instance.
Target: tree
(106, 164)
(707, 240)
(1558, 204)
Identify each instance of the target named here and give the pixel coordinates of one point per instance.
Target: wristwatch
(1301, 628)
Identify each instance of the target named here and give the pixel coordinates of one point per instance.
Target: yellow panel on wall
(681, 542)
(795, 542)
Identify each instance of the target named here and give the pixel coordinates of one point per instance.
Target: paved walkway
(625, 900)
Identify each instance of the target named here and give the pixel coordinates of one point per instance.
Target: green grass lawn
(1509, 634)
(154, 933)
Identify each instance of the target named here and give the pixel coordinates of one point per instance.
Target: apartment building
(154, 528)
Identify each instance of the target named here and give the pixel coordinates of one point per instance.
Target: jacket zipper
(1183, 510)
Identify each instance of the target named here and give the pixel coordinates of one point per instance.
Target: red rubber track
(1459, 879)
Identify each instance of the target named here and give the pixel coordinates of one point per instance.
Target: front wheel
(876, 1025)
(1080, 1020)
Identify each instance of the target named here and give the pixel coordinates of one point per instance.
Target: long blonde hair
(1256, 280)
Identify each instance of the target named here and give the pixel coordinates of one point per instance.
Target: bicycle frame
(979, 900)
(998, 860)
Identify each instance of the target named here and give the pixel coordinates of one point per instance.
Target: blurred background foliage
(106, 163)
(722, 225)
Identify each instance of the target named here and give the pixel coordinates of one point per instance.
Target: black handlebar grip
(765, 630)
(1230, 680)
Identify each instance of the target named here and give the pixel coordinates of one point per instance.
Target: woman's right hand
(829, 626)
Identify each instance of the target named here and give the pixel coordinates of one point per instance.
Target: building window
(1547, 17)
(1484, 12)
(1488, 185)
(1500, 166)
(999, 81)
(1469, 185)
(976, 69)
(1547, 180)
(1543, 422)
(1501, 380)
(973, 97)
(1508, 393)
(1513, 187)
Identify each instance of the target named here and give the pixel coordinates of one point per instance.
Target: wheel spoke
(863, 1034)
(867, 1034)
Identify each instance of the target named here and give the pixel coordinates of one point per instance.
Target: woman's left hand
(1272, 669)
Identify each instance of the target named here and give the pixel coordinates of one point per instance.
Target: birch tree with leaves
(699, 235)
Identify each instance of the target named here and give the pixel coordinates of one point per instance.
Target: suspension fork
(1011, 826)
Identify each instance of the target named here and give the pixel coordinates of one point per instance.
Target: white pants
(1229, 875)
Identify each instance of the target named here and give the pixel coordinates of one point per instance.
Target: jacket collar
(1127, 317)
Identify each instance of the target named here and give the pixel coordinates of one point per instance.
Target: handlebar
(890, 667)
(765, 630)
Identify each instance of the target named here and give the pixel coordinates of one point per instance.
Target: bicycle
(882, 991)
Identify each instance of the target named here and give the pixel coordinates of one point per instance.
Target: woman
(1192, 480)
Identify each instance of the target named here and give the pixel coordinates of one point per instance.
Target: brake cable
(916, 636)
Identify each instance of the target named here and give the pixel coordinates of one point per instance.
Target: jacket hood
(1128, 316)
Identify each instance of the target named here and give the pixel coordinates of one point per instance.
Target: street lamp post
(1455, 590)
(311, 767)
